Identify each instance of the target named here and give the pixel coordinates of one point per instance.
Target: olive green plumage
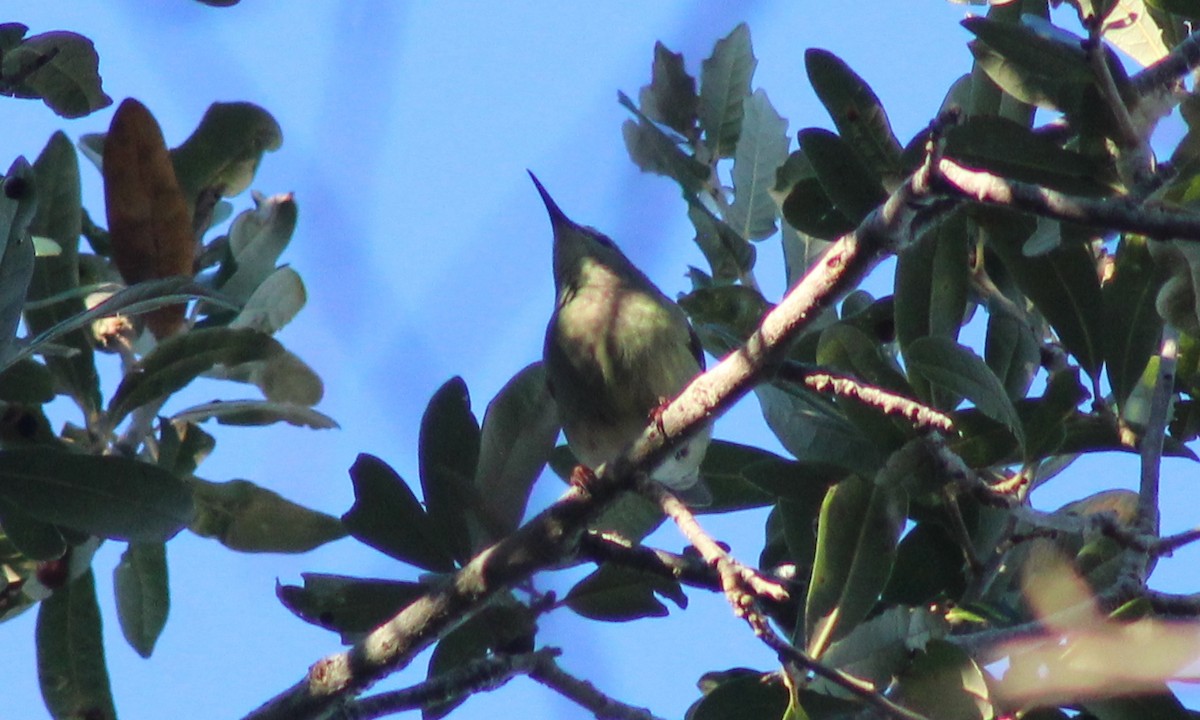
(616, 348)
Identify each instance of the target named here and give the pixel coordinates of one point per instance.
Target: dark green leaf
(224, 151)
(857, 538)
(70, 654)
(347, 605)
(182, 446)
(109, 496)
(17, 205)
(614, 593)
(1162, 705)
(931, 283)
(724, 83)
(810, 427)
(728, 254)
(35, 539)
(762, 148)
(1134, 327)
(449, 455)
(256, 412)
(724, 316)
(1185, 8)
(929, 565)
(856, 111)
(143, 597)
(741, 476)
(58, 217)
(956, 368)
(1062, 285)
(1035, 69)
(1014, 151)
(654, 151)
(27, 383)
(809, 209)
(245, 517)
(670, 98)
(61, 68)
(879, 648)
(854, 189)
(388, 517)
(1011, 349)
(746, 696)
(466, 643)
(178, 360)
(133, 300)
(944, 682)
(520, 428)
(274, 303)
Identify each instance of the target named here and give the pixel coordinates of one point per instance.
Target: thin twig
(742, 585)
(865, 691)
(482, 675)
(885, 401)
(585, 694)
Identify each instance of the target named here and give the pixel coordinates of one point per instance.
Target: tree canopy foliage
(1045, 305)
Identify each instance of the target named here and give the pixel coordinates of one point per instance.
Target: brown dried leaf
(148, 219)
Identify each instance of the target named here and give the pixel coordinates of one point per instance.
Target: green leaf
(70, 654)
(724, 83)
(929, 565)
(956, 368)
(879, 648)
(932, 277)
(58, 217)
(109, 496)
(143, 597)
(256, 412)
(654, 151)
(1011, 349)
(388, 517)
(741, 476)
(256, 240)
(448, 454)
(520, 428)
(34, 539)
(225, 149)
(1134, 326)
(670, 98)
(810, 427)
(1062, 284)
(944, 682)
(729, 255)
(614, 593)
(178, 360)
(274, 303)
(724, 316)
(1031, 67)
(1012, 150)
(26, 382)
(347, 605)
(852, 187)
(182, 446)
(749, 695)
(133, 300)
(857, 537)
(809, 209)
(856, 111)
(245, 517)
(762, 148)
(17, 205)
(59, 67)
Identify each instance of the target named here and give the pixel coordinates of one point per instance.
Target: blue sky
(408, 128)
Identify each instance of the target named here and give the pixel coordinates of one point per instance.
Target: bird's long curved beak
(557, 217)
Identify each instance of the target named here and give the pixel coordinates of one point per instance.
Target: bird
(616, 350)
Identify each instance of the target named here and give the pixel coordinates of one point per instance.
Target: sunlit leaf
(761, 149)
(224, 151)
(245, 517)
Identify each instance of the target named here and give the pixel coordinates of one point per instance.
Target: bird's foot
(583, 478)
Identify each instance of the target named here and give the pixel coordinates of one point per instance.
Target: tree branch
(553, 534)
(1116, 213)
(585, 694)
(887, 402)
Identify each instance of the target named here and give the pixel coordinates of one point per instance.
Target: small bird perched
(616, 350)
